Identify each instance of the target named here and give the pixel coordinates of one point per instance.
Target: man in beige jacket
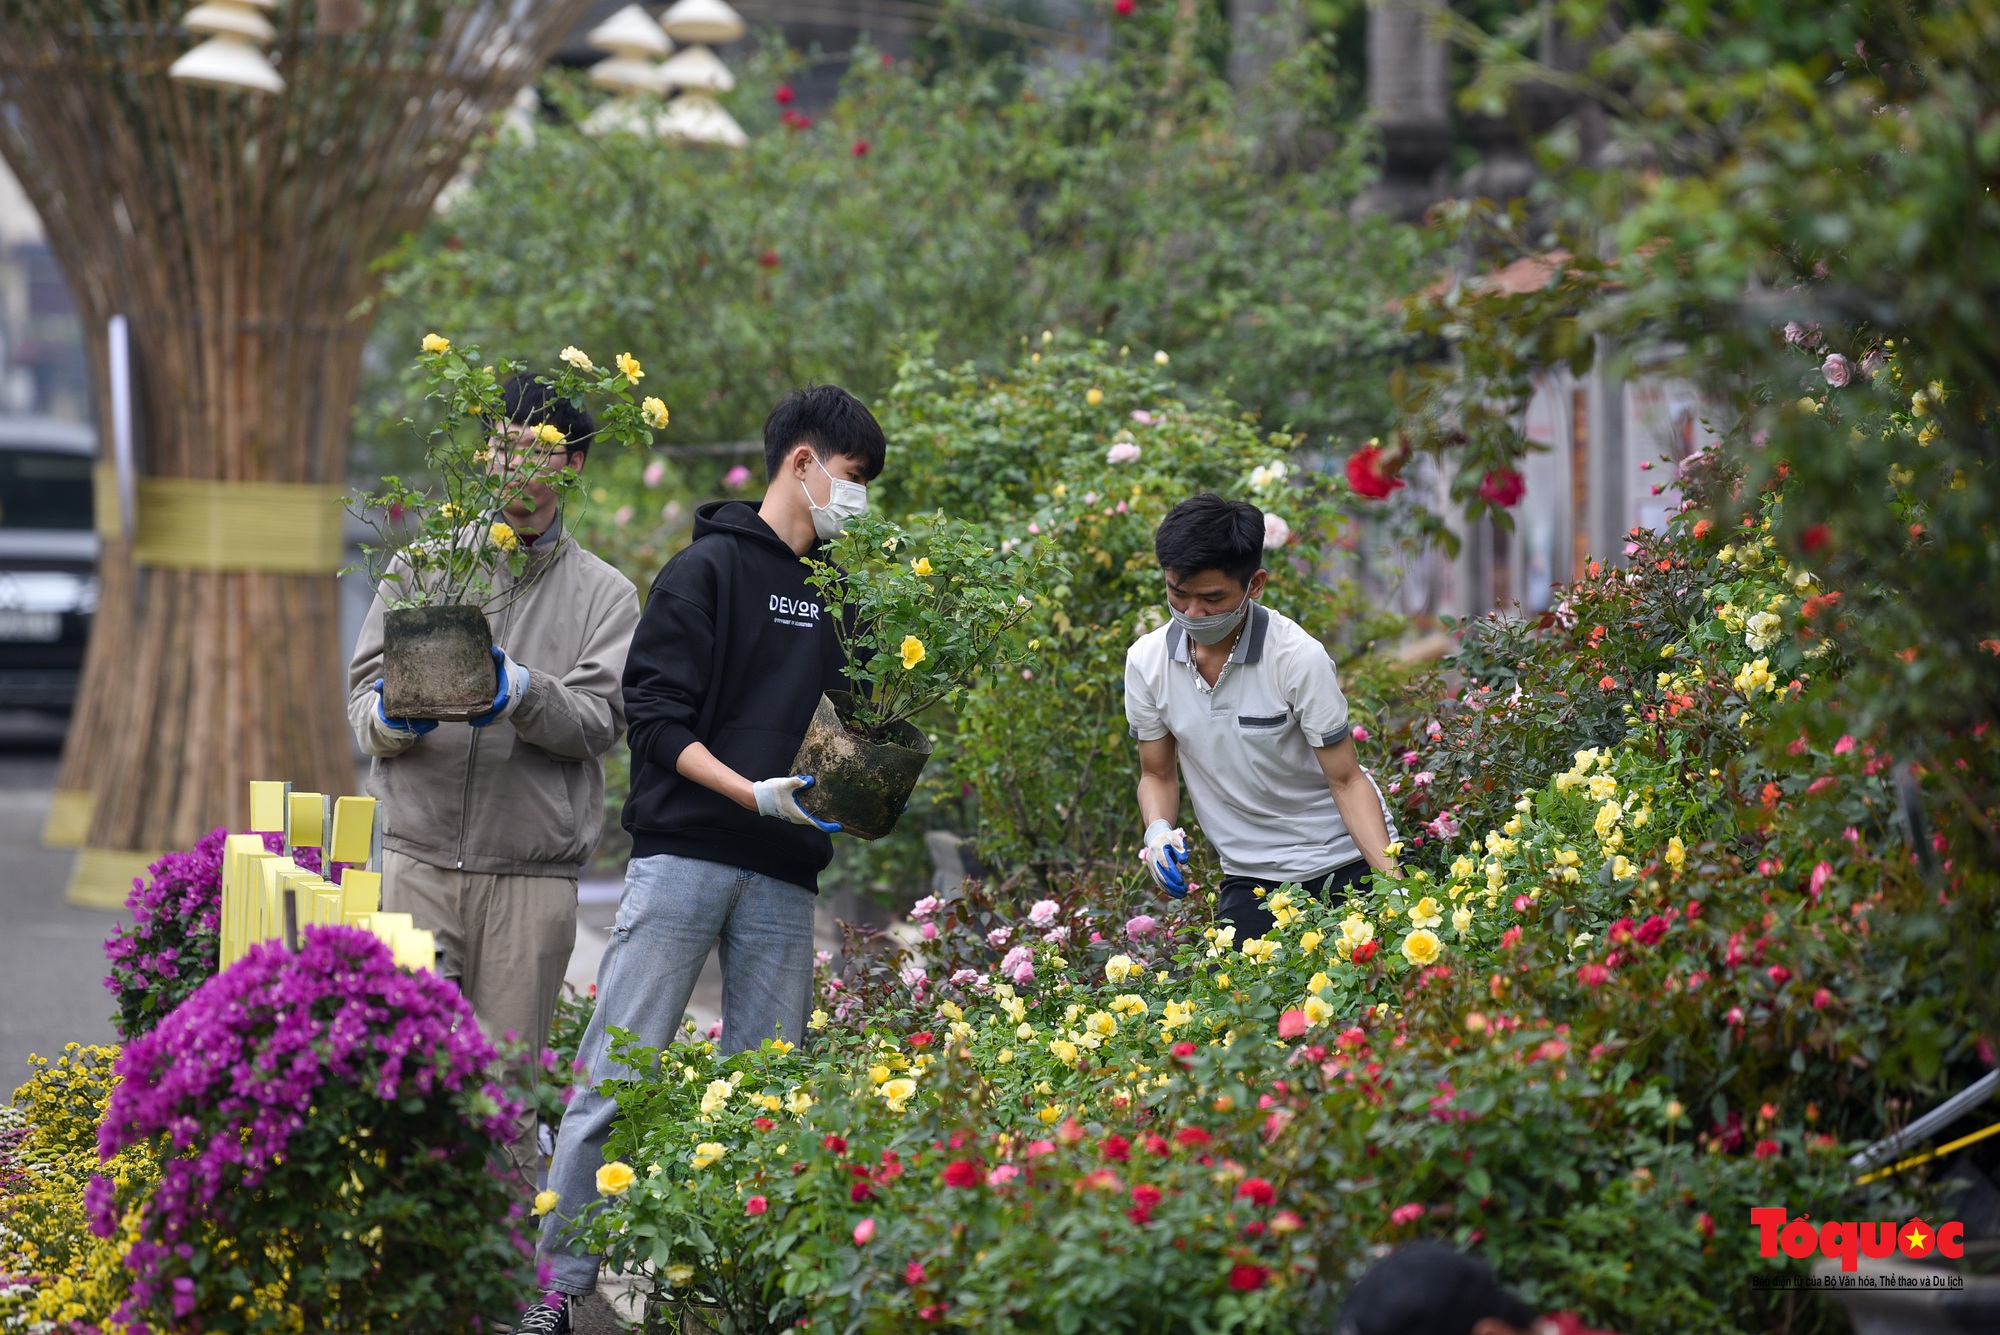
(487, 824)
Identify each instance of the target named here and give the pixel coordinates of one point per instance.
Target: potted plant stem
(919, 613)
(443, 548)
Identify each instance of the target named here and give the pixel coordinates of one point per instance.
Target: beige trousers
(505, 939)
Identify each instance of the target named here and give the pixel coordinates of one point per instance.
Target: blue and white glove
(780, 798)
(1164, 855)
(510, 684)
(415, 727)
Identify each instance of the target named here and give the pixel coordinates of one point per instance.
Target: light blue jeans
(673, 912)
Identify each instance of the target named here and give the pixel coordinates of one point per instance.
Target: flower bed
(1593, 1026)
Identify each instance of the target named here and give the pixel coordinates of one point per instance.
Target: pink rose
(1276, 531)
(1837, 370)
(1143, 925)
(655, 474)
(864, 1232)
(736, 477)
(1123, 452)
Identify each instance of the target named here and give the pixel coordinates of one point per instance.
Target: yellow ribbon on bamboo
(285, 528)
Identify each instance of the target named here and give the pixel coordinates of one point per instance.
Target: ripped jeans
(673, 911)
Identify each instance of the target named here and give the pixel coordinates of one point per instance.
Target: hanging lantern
(233, 56)
(698, 74)
(636, 44)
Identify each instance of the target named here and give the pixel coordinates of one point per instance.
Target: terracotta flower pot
(437, 663)
(862, 784)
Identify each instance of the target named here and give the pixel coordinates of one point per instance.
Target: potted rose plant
(443, 547)
(919, 612)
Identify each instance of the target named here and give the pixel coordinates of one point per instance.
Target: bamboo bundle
(239, 236)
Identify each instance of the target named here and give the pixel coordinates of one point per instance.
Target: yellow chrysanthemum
(912, 652)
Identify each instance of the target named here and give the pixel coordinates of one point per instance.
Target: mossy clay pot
(437, 663)
(862, 784)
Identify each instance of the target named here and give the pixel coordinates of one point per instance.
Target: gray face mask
(1211, 629)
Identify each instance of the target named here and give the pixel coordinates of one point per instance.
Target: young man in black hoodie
(731, 655)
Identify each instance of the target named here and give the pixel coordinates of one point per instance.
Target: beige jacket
(525, 794)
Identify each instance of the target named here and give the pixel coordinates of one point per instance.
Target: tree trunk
(238, 235)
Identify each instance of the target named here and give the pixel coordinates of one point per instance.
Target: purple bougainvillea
(169, 948)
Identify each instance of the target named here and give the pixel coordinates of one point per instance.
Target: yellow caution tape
(104, 502)
(285, 528)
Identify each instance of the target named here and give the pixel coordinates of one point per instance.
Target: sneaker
(550, 1316)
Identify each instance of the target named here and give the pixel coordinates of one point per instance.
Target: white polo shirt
(1246, 745)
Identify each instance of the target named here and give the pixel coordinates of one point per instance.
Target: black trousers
(1238, 905)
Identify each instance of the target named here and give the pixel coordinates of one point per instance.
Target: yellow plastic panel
(267, 806)
(415, 949)
(327, 906)
(353, 829)
(361, 893)
(308, 823)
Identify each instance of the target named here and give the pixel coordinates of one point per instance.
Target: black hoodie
(733, 651)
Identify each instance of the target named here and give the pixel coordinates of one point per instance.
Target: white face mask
(846, 501)
(1212, 629)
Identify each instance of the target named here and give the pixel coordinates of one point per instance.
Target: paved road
(51, 955)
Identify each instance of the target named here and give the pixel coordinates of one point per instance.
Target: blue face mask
(1212, 629)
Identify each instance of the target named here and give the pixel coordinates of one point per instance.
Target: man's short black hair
(829, 419)
(532, 403)
(1206, 532)
(1427, 1288)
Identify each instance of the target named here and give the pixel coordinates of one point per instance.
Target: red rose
(784, 95)
(859, 1192)
(1257, 1191)
(921, 1040)
(1650, 931)
(1117, 1148)
(1193, 1137)
(756, 1205)
(769, 259)
(860, 149)
(1814, 537)
(1705, 1225)
(1822, 999)
(1157, 1144)
(1768, 1149)
(1368, 476)
(838, 1144)
(1245, 1277)
(1183, 1050)
(1593, 975)
(1144, 1197)
(913, 1274)
(1779, 974)
(1122, 8)
(1365, 951)
(1291, 1024)
(762, 1123)
(1503, 488)
(962, 1173)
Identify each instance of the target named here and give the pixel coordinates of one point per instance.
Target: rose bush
(1617, 1005)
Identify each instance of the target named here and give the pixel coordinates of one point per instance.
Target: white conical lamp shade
(229, 18)
(630, 32)
(694, 116)
(628, 75)
(227, 62)
(698, 69)
(702, 21)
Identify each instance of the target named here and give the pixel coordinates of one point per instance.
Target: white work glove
(510, 683)
(1164, 855)
(780, 798)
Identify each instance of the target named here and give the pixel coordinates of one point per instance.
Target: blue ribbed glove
(416, 727)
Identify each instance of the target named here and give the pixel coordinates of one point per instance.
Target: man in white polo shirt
(1248, 704)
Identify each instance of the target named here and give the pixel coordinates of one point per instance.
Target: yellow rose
(1118, 968)
(797, 1102)
(921, 566)
(715, 1095)
(654, 412)
(436, 343)
(615, 1179)
(878, 1075)
(1677, 854)
(897, 1093)
(1426, 912)
(1461, 920)
(1063, 1051)
(575, 357)
(1006, 1056)
(1317, 1011)
(504, 537)
(1607, 819)
(912, 651)
(1422, 947)
(1318, 982)
(549, 434)
(1310, 942)
(545, 1201)
(451, 513)
(630, 366)
(705, 1154)
(819, 1019)
(680, 1276)
(1093, 396)
(1050, 1114)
